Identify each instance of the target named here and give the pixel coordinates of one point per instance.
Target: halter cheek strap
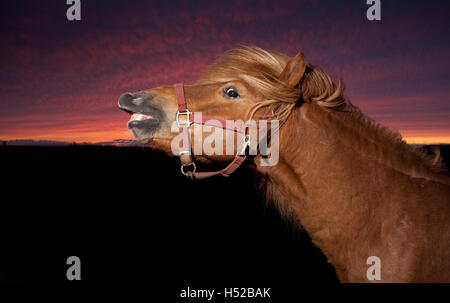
(184, 118)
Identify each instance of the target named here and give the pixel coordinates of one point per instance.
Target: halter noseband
(185, 124)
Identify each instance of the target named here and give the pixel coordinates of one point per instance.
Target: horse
(355, 187)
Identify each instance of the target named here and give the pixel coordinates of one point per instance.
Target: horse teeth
(140, 117)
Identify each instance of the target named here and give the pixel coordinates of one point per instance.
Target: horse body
(356, 188)
(356, 203)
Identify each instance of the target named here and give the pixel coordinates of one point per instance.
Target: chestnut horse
(356, 187)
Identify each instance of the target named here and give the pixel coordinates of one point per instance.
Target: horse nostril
(125, 101)
(138, 100)
(134, 102)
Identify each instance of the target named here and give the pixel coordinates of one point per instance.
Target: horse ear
(294, 70)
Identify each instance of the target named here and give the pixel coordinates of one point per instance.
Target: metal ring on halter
(183, 123)
(275, 108)
(191, 172)
(184, 152)
(246, 141)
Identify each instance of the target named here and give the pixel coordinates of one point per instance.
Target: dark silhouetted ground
(131, 216)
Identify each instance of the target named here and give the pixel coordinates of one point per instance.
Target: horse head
(244, 84)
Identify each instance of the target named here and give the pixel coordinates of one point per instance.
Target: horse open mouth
(140, 117)
(146, 116)
(142, 120)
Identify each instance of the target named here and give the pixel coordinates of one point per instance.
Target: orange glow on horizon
(427, 140)
(121, 133)
(79, 137)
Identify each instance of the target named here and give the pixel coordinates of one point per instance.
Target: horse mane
(260, 70)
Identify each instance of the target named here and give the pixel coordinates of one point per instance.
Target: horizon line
(133, 142)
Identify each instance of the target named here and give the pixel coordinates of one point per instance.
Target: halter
(184, 119)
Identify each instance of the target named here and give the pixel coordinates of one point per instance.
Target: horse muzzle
(146, 114)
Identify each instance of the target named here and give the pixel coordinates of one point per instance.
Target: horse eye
(231, 92)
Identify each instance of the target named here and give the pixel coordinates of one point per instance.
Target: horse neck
(335, 185)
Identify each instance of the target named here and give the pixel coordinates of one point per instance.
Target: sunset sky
(60, 79)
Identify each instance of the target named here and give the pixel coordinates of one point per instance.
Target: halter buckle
(187, 122)
(184, 152)
(246, 141)
(189, 173)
